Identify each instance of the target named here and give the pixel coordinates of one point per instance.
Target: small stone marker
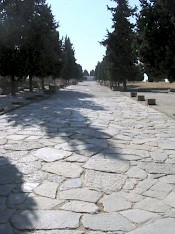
(133, 94)
(150, 101)
(140, 98)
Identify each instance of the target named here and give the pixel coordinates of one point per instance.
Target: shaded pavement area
(87, 160)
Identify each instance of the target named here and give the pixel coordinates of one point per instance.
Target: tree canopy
(120, 55)
(155, 38)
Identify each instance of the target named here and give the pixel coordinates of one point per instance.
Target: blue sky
(85, 22)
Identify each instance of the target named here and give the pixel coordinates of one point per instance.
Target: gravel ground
(165, 101)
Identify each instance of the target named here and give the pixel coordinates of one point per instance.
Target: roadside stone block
(140, 98)
(150, 101)
(133, 94)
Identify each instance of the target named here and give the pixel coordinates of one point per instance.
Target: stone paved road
(87, 160)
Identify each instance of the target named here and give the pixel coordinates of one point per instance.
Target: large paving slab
(87, 161)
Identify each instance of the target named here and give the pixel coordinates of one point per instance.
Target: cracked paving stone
(115, 202)
(81, 194)
(139, 216)
(50, 154)
(107, 165)
(45, 220)
(168, 179)
(80, 206)
(170, 199)
(104, 181)
(159, 227)
(153, 205)
(47, 189)
(65, 169)
(131, 196)
(107, 222)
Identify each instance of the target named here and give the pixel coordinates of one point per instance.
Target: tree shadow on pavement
(69, 115)
(12, 195)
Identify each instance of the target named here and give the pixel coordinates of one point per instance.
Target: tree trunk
(30, 83)
(42, 83)
(124, 85)
(13, 85)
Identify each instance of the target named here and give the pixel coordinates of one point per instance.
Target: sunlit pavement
(87, 160)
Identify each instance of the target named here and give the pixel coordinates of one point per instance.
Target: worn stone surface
(50, 154)
(104, 181)
(26, 145)
(107, 165)
(159, 168)
(65, 169)
(87, 160)
(170, 199)
(71, 183)
(139, 216)
(47, 189)
(159, 227)
(80, 206)
(82, 194)
(115, 202)
(152, 204)
(45, 220)
(136, 172)
(39, 203)
(107, 222)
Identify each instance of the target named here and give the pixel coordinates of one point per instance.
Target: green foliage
(120, 55)
(101, 70)
(155, 38)
(85, 73)
(70, 68)
(92, 73)
(29, 41)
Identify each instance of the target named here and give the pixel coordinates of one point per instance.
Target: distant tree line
(30, 44)
(148, 46)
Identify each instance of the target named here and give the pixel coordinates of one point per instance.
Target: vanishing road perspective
(87, 161)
